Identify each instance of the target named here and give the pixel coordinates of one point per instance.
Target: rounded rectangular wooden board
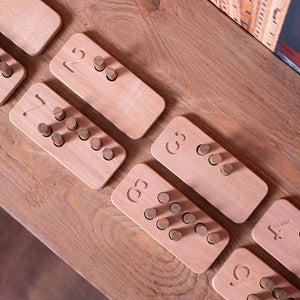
(139, 190)
(278, 232)
(240, 277)
(9, 85)
(30, 24)
(235, 195)
(127, 102)
(36, 106)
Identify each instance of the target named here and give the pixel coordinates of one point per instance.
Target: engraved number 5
(172, 148)
(135, 192)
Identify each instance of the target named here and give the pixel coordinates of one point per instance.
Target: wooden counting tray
(235, 195)
(278, 233)
(9, 85)
(139, 191)
(127, 102)
(241, 276)
(37, 106)
(30, 24)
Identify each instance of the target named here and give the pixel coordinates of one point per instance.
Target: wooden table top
(207, 68)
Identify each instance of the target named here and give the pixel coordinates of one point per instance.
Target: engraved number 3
(240, 274)
(79, 54)
(172, 148)
(135, 192)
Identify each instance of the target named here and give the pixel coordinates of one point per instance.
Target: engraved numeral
(41, 103)
(135, 192)
(79, 53)
(173, 148)
(278, 232)
(240, 274)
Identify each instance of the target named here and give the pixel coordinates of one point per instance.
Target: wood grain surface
(245, 97)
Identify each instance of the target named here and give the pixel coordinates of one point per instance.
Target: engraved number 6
(240, 274)
(135, 192)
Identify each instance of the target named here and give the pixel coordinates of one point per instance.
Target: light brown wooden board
(139, 190)
(30, 24)
(246, 98)
(278, 232)
(235, 195)
(241, 274)
(127, 102)
(36, 107)
(9, 85)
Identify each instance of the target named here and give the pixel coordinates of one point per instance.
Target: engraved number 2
(79, 57)
(135, 192)
(172, 148)
(240, 274)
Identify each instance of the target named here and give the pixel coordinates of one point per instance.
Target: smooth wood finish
(138, 191)
(241, 93)
(124, 99)
(241, 274)
(76, 155)
(30, 24)
(278, 232)
(235, 195)
(9, 85)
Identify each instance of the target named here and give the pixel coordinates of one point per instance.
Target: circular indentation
(213, 238)
(202, 149)
(162, 224)
(150, 213)
(175, 235)
(175, 208)
(215, 159)
(188, 218)
(200, 229)
(163, 197)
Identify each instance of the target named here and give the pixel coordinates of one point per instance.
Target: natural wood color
(83, 133)
(59, 113)
(96, 143)
(267, 283)
(71, 124)
(241, 93)
(37, 104)
(236, 196)
(163, 197)
(188, 218)
(163, 223)
(241, 274)
(108, 154)
(6, 70)
(111, 73)
(58, 140)
(203, 149)
(10, 84)
(30, 24)
(280, 294)
(138, 191)
(213, 238)
(226, 169)
(175, 235)
(44, 129)
(99, 63)
(253, 297)
(127, 102)
(215, 159)
(150, 213)
(175, 208)
(200, 229)
(278, 233)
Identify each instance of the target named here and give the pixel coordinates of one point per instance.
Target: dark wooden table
(206, 67)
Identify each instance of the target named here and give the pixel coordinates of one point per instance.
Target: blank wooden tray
(9, 85)
(140, 189)
(127, 102)
(235, 195)
(37, 106)
(30, 24)
(241, 275)
(278, 233)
